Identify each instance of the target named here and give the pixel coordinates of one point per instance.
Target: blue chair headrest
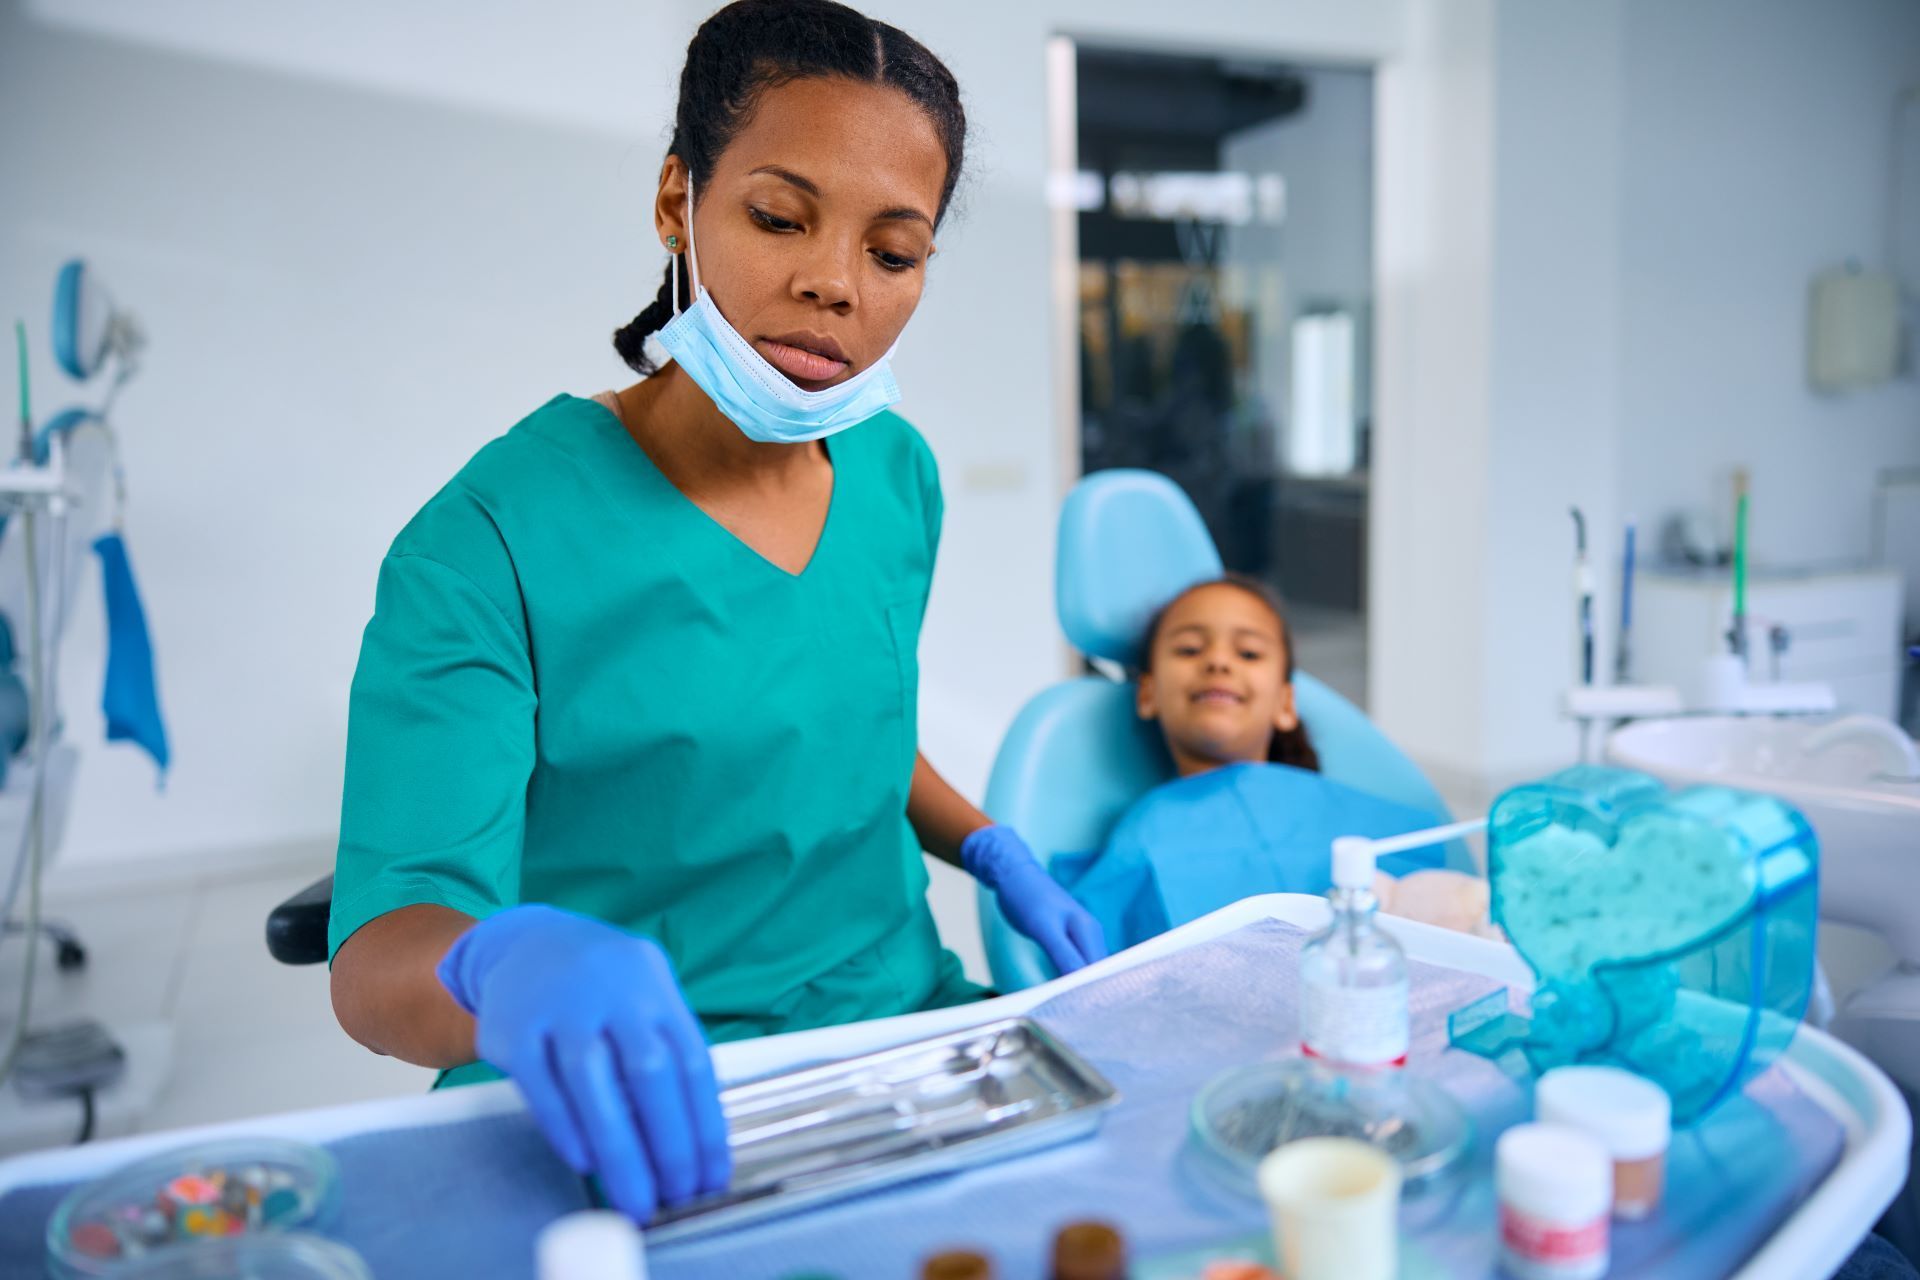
(1130, 541)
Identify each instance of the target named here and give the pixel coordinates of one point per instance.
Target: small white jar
(1556, 1190)
(1631, 1116)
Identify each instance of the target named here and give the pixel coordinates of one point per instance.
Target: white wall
(1555, 362)
(1755, 143)
(1433, 249)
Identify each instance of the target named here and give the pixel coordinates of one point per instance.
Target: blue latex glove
(590, 1023)
(1031, 900)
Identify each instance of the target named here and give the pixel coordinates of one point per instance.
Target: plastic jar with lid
(1630, 1116)
(1556, 1188)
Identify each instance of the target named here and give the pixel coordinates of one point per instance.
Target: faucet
(1897, 751)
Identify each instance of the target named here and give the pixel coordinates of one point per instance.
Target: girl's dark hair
(755, 45)
(1288, 746)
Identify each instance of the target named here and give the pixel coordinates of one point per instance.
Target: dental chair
(1077, 755)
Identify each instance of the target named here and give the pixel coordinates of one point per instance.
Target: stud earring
(673, 243)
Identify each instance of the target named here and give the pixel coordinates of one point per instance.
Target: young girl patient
(1250, 812)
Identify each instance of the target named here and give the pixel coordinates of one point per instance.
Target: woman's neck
(698, 447)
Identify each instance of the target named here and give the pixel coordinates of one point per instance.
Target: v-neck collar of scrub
(836, 458)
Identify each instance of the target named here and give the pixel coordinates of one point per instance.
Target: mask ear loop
(693, 250)
(693, 261)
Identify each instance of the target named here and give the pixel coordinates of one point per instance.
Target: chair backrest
(1077, 755)
(1129, 542)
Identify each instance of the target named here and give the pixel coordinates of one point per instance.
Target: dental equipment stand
(51, 1097)
(1723, 682)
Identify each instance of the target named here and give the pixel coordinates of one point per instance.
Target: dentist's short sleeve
(933, 502)
(440, 737)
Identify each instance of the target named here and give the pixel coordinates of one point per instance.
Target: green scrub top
(579, 689)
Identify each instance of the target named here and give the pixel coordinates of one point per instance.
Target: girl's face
(1216, 679)
(814, 230)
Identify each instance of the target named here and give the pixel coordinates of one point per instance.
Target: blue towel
(1197, 844)
(130, 698)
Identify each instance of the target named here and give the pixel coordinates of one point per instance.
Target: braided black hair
(1287, 746)
(755, 45)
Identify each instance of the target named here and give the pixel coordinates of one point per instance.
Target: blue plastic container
(1670, 933)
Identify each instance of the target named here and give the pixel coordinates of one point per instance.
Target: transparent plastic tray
(293, 1256)
(191, 1197)
(1245, 1113)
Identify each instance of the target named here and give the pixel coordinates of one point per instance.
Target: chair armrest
(297, 928)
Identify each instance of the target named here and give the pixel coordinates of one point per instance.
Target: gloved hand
(1032, 901)
(589, 1022)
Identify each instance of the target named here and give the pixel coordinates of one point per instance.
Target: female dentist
(632, 748)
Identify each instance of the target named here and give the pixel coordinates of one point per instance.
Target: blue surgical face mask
(760, 399)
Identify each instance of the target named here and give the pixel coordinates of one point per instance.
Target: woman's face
(814, 230)
(1217, 678)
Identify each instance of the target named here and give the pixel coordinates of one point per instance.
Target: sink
(1866, 817)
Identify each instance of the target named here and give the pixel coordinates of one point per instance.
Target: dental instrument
(26, 396)
(935, 1105)
(1623, 648)
(1583, 589)
(1737, 636)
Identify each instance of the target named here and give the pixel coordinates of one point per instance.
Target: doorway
(1225, 313)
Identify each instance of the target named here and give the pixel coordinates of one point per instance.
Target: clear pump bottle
(1353, 975)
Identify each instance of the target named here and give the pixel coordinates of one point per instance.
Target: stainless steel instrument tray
(930, 1107)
